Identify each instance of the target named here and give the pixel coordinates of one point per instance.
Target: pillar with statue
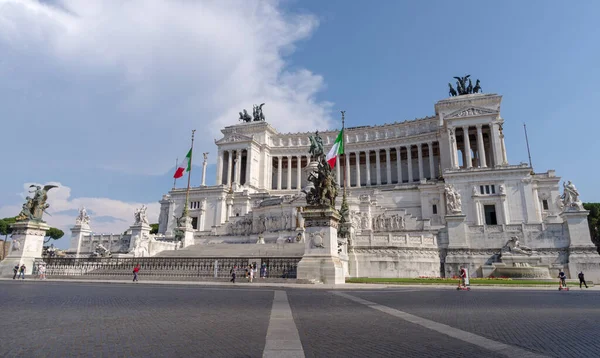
(321, 260)
(28, 233)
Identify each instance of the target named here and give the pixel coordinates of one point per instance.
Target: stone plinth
(77, 233)
(321, 261)
(27, 245)
(140, 230)
(187, 230)
(457, 231)
(577, 225)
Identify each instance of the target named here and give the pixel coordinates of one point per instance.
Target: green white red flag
(184, 166)
(337, 149)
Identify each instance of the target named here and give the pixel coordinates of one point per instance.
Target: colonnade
(364, 167)
(477, 145)
(232, 166)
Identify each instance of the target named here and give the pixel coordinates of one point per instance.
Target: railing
(279, 267)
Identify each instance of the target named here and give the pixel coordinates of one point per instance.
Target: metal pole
(344, 151)
(176, 166)
(187, 192)
(527, 141)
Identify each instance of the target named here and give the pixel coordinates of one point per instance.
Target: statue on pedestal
(570, 197)
(83, 218)
(464, 86)
(35, 207)
(453, 200)
(140, 216)
(322, 188)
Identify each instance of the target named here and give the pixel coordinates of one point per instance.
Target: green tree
(594, 222)
(5, 226)
(154, 228)
(53, 234)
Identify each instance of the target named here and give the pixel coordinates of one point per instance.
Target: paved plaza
(70, 319)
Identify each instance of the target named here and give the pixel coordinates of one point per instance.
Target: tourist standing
(582, 280)
(42, 271)
(463, 277)
(263, 270)
(15, 271)
(232, 273)
(136, 269)
(21, 272)
(251, 273)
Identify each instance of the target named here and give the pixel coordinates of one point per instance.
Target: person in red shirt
(136, 269)
(463, 275)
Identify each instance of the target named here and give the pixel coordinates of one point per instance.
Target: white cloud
(128, 80)
(60, 201)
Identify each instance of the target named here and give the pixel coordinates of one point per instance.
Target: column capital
(430, 143)
(479, 126)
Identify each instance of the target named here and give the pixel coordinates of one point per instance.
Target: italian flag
(184, 166)
(337, 149)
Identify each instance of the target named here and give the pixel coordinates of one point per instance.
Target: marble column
(220, 168)
(388, 166)
(248, 167)
(469, 162)
(348, 181)
(399, 164)
(378, 166)
(204, 162)
(238, 166)
(502, 147)
(368, 159)
(289, 172)
(480, 148)
(409, 159)
(420, 159)
(431, 166)
(229, 166)
(357, 169)
(279, 171)
(299, 173)
(453, 148)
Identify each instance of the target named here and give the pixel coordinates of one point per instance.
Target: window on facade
(545, 204)
(434, 208)
(487, 189)
(490, 214)
(195, 223)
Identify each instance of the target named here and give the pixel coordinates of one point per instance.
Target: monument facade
(424, 197)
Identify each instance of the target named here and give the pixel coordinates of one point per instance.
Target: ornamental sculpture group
(322, 188)
(35, 206)
(257, 114)
(464, 86)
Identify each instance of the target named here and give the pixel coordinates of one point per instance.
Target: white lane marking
(498, 347)
(283, 339)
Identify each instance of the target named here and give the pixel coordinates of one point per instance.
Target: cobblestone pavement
(64, 319)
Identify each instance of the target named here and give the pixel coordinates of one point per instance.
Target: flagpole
(176, 166)
(187, 192)
(344, 149)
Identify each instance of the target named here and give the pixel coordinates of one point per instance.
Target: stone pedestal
(77, 233)
(188, 232)
(583, 255)
(27, 245)
(457, 231)
(140, 230)
(321, 261)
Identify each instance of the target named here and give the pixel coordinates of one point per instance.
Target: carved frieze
(470, 112)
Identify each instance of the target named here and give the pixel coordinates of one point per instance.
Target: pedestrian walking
(232, 273)
(21, 272)
(42, 271)
(582, 280)
(263, 270)
(136, 269)
(15, 271)
(251, 271)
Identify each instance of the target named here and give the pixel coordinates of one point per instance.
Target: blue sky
(101, 96)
